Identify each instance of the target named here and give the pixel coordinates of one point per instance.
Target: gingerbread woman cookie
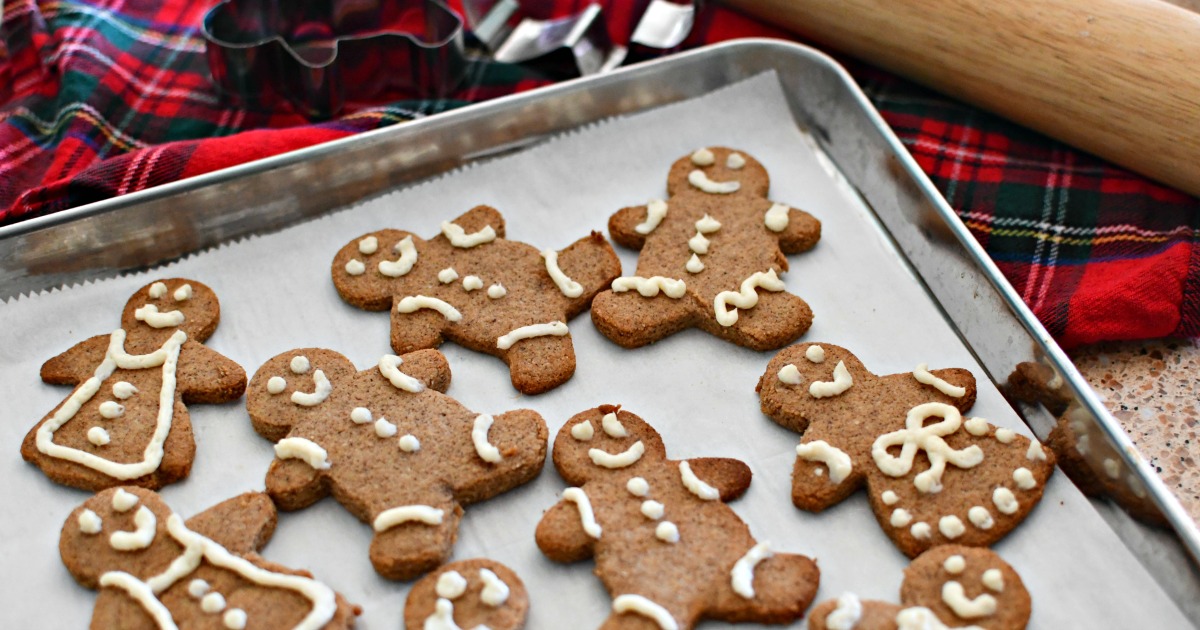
(667, 547)
(711, 255)
(933, 476)
(155, 570)
(472, 286)
(949, 586)
(390, 447)
(477, 593)
(126, 422)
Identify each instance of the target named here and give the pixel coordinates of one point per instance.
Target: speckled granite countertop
(1153, 388)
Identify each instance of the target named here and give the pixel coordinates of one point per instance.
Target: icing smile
(620, 460)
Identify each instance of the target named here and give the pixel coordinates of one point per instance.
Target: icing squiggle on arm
(695, 485)
(835, 458)
(303, 449)
(776, 218)
(414, 303)
(479, 436)
(554, 329)
(742, 576)
(389, 367)
(746, 297)
(567, 286)
(458, 237)
(649, 287)
(586, 515)
(923, 376)
(656, 210)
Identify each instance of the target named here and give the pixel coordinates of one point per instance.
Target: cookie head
(606, 441)
(967, 585)
(293, 385)
(120, 529)
(366, 269)
(173, 304)
(720, 172)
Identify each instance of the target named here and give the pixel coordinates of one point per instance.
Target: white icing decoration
(158, 290)
(384, 429)
(90, 522)
(638, 487)
(917, 436)
(300, 364)
(197, 588)
(1112, 468)
(846, 615)
(956, 599)
(840, 383)
(567, 286)
(700, 180)
(900, 517)
(115, 357)
(613, 426)
(451, 585)
(650, 287)
(835, 458)
(776, 218)
(656, 210)
(276, 385)
(549, 329)
(1024, 478)
(447, 275)
(667, 532)
(646, 608)
(921, 530)
(742, 576)
(318, 395)
(458, 237)
(694, 265)
(471, 283)
(627, 457)
(98, 436)
(746, 297)
(976, 426)
(409, 443)
(707, 225)
(586, 515)
(980, 517)
(951, 526)
(141, 593)
(1035, 451)
(361, 415)
(889, 497)
(698, 244)
(479, 437)
(653, 510)
(123, 390)
(497, 291)
(141, 537)
(955, 564)
(921, 618)
(1005, 436)
(583, 431)
(815, 354)
(414, 303)
(123, 501)
(695, 485)
(790, 375)
(925, 377)
(495, 591)
(110, 409)
(368, 245)
(703, 157)
(183, 293)
(392, 517)
(234, 619)
(1005, 501)
(403, 264)
(735, 161)
(389, 367)
(149, 314)
(303, 449)
(994, 580)
(212, 603)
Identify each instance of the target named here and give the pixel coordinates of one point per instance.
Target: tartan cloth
(100, 98)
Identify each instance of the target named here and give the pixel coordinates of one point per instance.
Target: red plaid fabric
(99, 98)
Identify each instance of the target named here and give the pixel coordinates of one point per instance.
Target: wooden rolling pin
(1118, 78)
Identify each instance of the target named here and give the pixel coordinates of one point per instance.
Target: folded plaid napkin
(99, 98)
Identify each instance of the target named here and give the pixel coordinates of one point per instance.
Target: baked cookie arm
(207, 376)
(801, 233)
(824, 474)
(413, 534)
(76, 364)
(428, 366)
(783, 586)
(294, 485)
(560, 534)
(242, 524)
(480, 218)
(424, 328)
(731, 477)
(592, 263)
(631, 320)
(778, 319)
(622, 226)
(519, 438)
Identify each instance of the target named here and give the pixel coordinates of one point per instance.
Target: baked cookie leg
(540, 364)
(408, 544)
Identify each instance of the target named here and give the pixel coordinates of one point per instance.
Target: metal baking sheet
(274, 193)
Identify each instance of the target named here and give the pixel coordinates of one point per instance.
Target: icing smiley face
(173, 304)
(613, 444)
(468, 594)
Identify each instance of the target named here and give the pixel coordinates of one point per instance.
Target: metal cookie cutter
(319, 55)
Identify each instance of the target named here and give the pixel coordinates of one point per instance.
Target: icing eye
(360, 415)
(300, 364)
(613, 426)
(90, 522)
(276, 385)
(368, 245)
(123, 501)
(158, 290)
(583, 431)
(183, 293)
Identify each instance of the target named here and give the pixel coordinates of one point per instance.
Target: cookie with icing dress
(666, 546)
(156, 570)
(127, 421)
(949, 586)
(476, 593)
(390, 447)
(711, 257)
(474, 287)
(932, 475)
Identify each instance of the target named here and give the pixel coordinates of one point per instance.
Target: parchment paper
(276, 294)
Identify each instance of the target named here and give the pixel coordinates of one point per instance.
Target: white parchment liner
(276, 295)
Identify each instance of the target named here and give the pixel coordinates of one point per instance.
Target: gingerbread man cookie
(667, 547)
(472, 286)
(711, 255)
(949, 586)
(477, 593)
(126, 422)
(933, 476)
(155, 570)
(390, 447)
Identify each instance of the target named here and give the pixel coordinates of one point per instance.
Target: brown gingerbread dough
(468, 594)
